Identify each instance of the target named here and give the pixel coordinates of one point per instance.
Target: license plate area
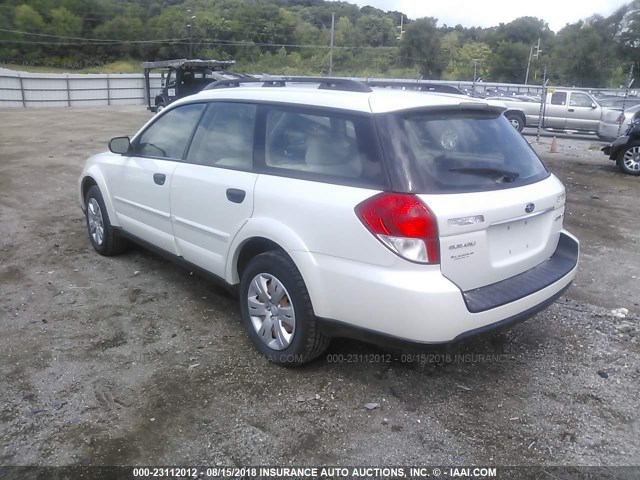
(513, 241)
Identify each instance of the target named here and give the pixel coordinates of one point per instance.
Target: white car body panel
(142, 207)
(204, 220)
(93, 169)
(410, 302)
(509, 241)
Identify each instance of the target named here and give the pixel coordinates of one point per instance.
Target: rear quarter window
(332, 147)
(454, 151)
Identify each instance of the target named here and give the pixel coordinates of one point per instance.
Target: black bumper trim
(563, 260)
(509, 322)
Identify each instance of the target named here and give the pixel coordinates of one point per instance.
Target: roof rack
(325, 83)
(419, 86)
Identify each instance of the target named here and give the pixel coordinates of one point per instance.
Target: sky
(488, 13)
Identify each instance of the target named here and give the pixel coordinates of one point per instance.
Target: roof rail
(419, 86)
(325, 83)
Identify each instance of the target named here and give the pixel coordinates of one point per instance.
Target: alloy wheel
(271, 311)
(96, 223)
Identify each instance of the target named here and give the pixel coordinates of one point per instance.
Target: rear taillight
(621, 118)
(402, 223)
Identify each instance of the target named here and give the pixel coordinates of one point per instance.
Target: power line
(96, 41)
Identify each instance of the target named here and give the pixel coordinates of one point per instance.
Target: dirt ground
(134, 360)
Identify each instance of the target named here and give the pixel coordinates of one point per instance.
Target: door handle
(572, 109)
(236, 195)
(159, 178)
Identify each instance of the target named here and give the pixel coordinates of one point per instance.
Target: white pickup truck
(564, 109)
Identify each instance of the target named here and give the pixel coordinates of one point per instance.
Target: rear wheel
(516, 120)
(277, 312)
(629, 159)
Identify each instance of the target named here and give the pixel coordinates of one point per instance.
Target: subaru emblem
(530, 207)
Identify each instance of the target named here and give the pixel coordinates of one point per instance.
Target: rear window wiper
(500, 176)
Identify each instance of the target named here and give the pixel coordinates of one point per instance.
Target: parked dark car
(625, 150)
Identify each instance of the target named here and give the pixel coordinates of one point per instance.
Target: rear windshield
(457, 151)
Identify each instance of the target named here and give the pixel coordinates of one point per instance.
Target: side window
(329, 145)
(169, 135)
(171, 78)
(225, 136)
(580, 100)
(559, 98)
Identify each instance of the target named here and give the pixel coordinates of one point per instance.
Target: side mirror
(594, 105)
(120, 145)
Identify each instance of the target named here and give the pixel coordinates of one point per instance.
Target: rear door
(212, 192)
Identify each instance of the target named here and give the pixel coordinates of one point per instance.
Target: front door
(583, 112)
(141, 180)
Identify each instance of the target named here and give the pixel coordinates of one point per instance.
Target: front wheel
(104, 238)
(159, 106)
(277, 312)
(629, 159)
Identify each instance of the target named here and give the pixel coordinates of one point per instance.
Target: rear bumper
(563, 260)
(334, 328)
(419, 305)
(609, 131)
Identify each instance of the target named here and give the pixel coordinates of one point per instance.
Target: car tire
(277, 312)
(103, 236)
(629, 159)
(516, 120)
(160, 106)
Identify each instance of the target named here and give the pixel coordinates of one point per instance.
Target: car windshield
(457, 151)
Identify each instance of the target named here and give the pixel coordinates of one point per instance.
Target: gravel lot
(133, 360)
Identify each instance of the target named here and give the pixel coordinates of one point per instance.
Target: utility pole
(630, 80)
(401, 27)
(190, 26)
(543, 102)
(333, 32)
(526, 78)
(475, 75)
(532, 55)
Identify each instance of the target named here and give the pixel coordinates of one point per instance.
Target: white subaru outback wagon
(332, 209)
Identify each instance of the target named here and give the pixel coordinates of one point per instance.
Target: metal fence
(22, 89)
(19, 89)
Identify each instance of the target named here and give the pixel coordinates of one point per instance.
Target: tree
(375, 31)
(264, 24)
(345, 35)
(421, 46)
(27, 19)
(64, 23)
(472, 58)
(583, 55)
(509, 63)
